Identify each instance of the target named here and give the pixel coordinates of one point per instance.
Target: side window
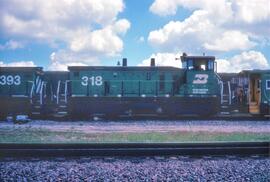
(148, 76)
(267, 84)
(258, 84)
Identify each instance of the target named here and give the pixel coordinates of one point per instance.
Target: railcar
(152, 90)
(114, 91)
(21, 90)
(247, 92)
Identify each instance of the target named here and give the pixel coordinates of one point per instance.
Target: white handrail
(32, 90)
(41, 93)
(221, 92)
(57, 92)
(66, 83)
(219, 78)
(230, 93)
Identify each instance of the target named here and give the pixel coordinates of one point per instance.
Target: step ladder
(36, 108)
(61, 99)
(37, 99)
(225, 99)
(254, 108)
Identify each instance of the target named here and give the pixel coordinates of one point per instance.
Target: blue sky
(55, 34)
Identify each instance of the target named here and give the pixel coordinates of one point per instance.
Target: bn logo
(200, 79)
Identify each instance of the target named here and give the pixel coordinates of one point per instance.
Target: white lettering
(10, 80)
(200, 91)
(94, 80)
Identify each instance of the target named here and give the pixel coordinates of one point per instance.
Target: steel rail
(134, 149)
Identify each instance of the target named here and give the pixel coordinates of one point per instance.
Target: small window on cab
(190, 64)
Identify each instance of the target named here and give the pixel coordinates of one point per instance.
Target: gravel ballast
(136, 169)
(144, 126)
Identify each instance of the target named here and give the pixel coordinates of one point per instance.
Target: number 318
(94, 81)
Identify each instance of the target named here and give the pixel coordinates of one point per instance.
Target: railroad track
(135, 149)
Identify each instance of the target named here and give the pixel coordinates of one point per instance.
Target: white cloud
(163, 59)
(57, 66)
(82, 28)
(230, 40)
(170, 7)
(60, 60)
(252, 11)
(11, 45)
(244, 61)
(18, 64)
(103, 41)
(242, 10)
(164, 8)
(189, 34)
(222, 25)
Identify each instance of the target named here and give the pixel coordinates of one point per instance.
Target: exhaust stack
(124, 62)
(153, 62)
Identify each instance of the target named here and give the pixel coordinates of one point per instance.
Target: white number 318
(94, 81)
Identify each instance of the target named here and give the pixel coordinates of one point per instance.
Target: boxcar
(259, 91)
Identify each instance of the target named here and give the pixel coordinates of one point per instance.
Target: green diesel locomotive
(115, 91)
(128, 90)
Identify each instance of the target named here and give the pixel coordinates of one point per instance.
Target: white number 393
(10, 80)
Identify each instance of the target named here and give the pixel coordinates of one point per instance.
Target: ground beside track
(137, 169)
(134, 131)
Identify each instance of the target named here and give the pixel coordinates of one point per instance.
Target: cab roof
(20, 69)
(255, 71)
(197, 58)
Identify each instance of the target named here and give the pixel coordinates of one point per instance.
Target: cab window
(210, 65)
(267, 84)
(184, 64)
(190, 64)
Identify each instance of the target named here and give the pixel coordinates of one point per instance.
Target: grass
(47, 136)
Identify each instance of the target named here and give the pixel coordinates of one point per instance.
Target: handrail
(66, 83)
(230, 93)
(41, 93)
(219, 78)
(148, 87)
(221, 92)
(32, 90)
(57, 92)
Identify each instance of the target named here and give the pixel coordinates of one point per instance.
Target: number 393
(10, 80)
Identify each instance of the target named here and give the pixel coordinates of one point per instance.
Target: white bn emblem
(200, 79)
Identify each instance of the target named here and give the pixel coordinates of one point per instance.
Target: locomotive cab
(200, 74)
(198, 63)
(201, 85)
